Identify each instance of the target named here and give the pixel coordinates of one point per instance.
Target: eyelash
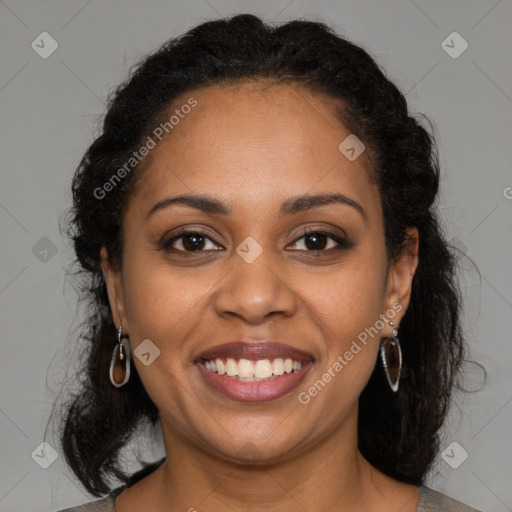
(343, 243)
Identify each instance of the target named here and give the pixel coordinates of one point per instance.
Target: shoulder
(434, 501)
(105, 504)
(102, 505)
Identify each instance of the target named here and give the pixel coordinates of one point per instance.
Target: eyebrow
(210, 204)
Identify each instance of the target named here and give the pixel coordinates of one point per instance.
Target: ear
(401, 273)
(113, 280)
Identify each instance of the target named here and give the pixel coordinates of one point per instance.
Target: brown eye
(189, 241)
(316, 241)
(322, 241)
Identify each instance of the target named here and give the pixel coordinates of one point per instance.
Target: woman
(268, 280)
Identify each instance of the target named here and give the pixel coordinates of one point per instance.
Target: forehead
(250, 142)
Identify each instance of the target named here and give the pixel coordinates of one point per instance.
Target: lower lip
(257, 391)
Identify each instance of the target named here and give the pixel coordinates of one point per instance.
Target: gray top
(429, 501)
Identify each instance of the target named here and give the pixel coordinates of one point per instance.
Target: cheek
(347, 305)
(163, 305)
(158, 297)
(350, 299)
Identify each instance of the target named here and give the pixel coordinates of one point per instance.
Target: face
(260, 263)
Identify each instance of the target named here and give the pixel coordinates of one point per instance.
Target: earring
(391, 356)
(120, 361)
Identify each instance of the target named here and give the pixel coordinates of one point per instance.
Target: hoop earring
(391, 356)
(120, 361)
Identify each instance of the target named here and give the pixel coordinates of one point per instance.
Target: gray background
(49, 108)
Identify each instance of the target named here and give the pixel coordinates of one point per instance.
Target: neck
(332, 470)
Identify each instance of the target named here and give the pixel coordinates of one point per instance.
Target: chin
(259, 450)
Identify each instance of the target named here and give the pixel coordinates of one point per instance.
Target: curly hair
(398, 433)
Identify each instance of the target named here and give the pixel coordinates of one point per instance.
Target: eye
(315, 240)
(197, 241)
(189, 241)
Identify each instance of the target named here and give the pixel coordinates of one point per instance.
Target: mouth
(254, 372)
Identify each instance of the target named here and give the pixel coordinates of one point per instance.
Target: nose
(255, 291)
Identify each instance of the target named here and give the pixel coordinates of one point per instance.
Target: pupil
(197, 242)
(319, 241)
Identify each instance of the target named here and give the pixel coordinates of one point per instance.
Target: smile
(248, 371)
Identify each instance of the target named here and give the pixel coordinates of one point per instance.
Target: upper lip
(255, 350)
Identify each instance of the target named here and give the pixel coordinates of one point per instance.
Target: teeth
(263, 369)
(278, 367)
(247, 370)
(231, 367)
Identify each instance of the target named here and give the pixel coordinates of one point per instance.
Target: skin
(253, 147)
